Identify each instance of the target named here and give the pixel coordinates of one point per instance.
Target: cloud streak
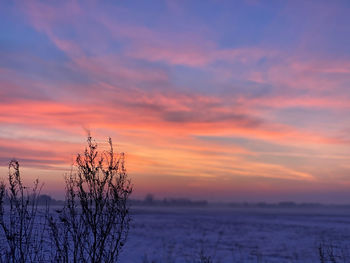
(156, 88)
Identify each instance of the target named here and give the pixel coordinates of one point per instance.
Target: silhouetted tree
(149, 198)
(94, 223)
(22, 228)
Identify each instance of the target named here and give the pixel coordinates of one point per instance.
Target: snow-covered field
(234, 235)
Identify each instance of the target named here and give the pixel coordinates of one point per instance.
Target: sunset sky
(221, 100)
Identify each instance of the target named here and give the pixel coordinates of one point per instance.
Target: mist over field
(183, 231)
(237, 235)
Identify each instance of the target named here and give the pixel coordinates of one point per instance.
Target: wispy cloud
(157, 87)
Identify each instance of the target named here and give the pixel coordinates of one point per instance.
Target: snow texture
(234, 235)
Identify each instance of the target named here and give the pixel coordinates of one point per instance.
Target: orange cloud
(129, 93)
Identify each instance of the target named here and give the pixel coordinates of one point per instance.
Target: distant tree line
(286, 205)
(149, 200)
(42, 200)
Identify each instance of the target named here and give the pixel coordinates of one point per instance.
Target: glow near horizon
(223, 100)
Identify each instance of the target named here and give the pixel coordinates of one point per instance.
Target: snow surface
(233, 234)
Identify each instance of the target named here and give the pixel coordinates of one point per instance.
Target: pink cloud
(156, 121)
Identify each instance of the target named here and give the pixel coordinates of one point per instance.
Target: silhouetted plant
(22, 228)
(203, 258)
(94, 223)
(331, 253)
(322, 253)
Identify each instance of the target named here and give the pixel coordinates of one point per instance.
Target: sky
(217, 100)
